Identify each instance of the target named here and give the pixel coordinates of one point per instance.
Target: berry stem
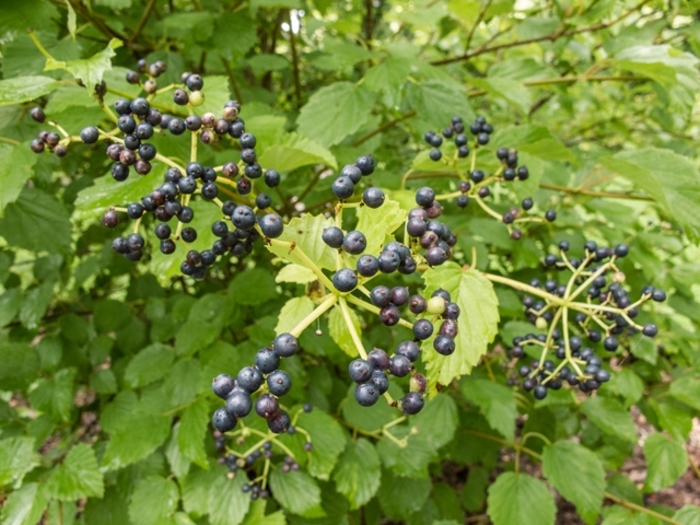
(39, 45)
(193, 145)
(305, 258)
(351, 328)
(374, 309)
(524, 288)
(486, 208)
(322, 308)
(9, 141)
(271, 437)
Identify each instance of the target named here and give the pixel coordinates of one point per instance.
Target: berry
(89, 135)
(399, 295)
(435, 154)
(37, 114)
(417, 304)
(354, 242)
(367, 265)
(110, 219)
(163, 231)
(180, 97)
(389, 315)
(140, 106)
(285, 345)
(527, 203)
(271, 225)
(436, 256)
(523, 173)
(352, 172)
(279, 383)
(272, 178)
(366, 394)
(263, 201)
(422, 329)
(389, 261)
(425, 197)
(243, 217)
(418, 383)
(343, 188)
(197, 98)
(360, 371)
(380, 381)
(650, 330)
(622, 250)
(345, 280)
(540, 392)
(610, 343)
(238, 404)
(550, 215)
(412, 403)
(366, 164)
(410, 349)
(444, 345)
(194, 82)
(266, 360)
(373, 197)
(249, 379)
(380, 296)
(279, 423)
(267, 406)
(223, 421)
(399, 365)
(222, 385)
(416, 227)
(378, 359)
(333, 236)
(658, 296)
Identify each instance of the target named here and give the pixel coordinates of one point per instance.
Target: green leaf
(496, 402)
(587, 487)
(25, 89)
(256, 515)
(411, 461)
(139, 428)
(197, 489)
(55, 396)
(511, 90)
(610, 416)
(154, 501)
(400, 497)
(36, 302)
(437, 102)
(149, 365)
(16, 458)
(296, 492)
(478, 323)
(338, 330)
(666, 461)
(674, 417)
(358, 472)
(16, 167)
(388, 77)
(295, 152)
(228, 504)
(644, 348)
(89, 70)
(193, 429)
(686, 389)
(20, 364)
(377, 223)
(253, 287)
(339, 102)
(179, 464)
(36, 221)
(10, 302)
(293, 311)
(328, 439)
(305, 232)
(669, 178)
(25, 506)
(628, 385)
(295, 273)
(521, 499)
(77, 477)
(439, 412)
(688, 515)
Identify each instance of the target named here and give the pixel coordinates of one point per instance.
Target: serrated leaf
(228, 504)
(36, 221)
(377, 223)
(328, 439)
(20, 364)
(628, 385)
(438, 421)
(193, 428)
(179, 464)
(437, 102)
(496, 402)
(521, 499)
(674, 418)
(686, 389)
(400, 497)
(666, 461)
(338, 330)
(256, 515)
(16, 458)
(358, 472)
(478, 321)
(149, 365)
(154, 501)
(89, 70)
(25, 506)
(411, 461)
(587, 487)
(305, 232)
(77, 477)
(610, 416)
(24, 89)
(295, 273)
(196, 488)
(669, 178)
(295, 152)
(511, 90)
(339, 102)
(293, 311)
(296, 492)
(55, 396)
(16, 167)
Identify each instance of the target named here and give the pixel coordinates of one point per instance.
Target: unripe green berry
(196, 98)
(541, 323)
(436, 305)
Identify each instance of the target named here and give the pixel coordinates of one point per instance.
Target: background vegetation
(105, 365)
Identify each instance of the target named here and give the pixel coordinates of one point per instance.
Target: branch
(589, 193)
(555, 35)
(142, 22)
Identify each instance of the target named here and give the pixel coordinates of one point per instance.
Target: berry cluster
(263, 376)
(344, 186)
(607, 314)
(432, 235)
(46, 139)
(476, 183)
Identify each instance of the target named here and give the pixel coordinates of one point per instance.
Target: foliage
(105, 383)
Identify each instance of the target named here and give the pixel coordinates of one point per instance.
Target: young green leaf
(293, 311)
(77, 477)
(339, 331)
(16, 458)
(521, 499)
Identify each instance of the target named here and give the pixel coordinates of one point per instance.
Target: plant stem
(305, 258)
(351, 328)
(523, 288)
(327, 303)
(9, 141)
(589, 193)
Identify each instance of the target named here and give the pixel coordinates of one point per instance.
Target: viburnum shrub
(393, 324)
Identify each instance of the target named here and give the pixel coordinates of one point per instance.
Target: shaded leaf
(358, 472)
